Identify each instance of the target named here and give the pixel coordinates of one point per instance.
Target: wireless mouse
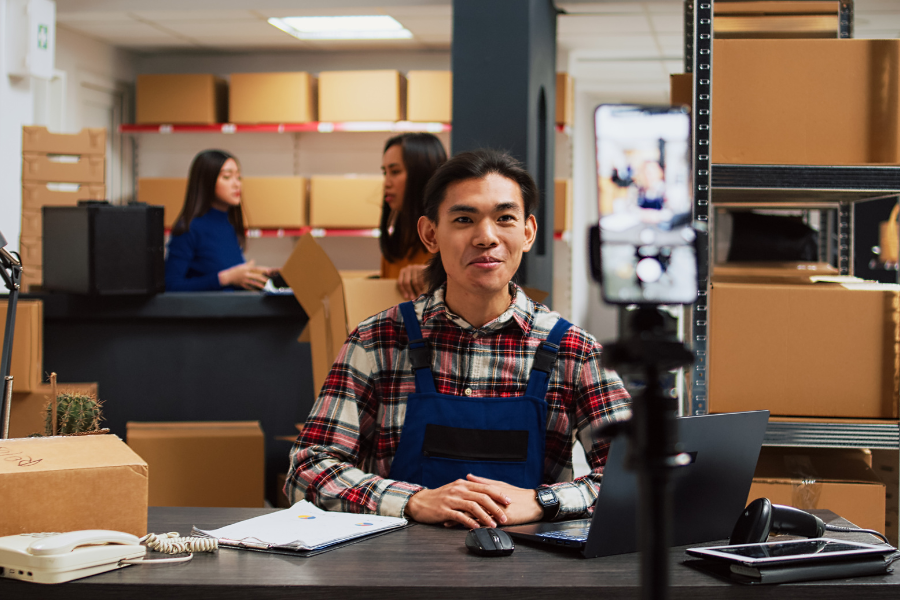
(488, 541)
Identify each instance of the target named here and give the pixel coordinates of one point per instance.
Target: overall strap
(544, 359)
(419, 349)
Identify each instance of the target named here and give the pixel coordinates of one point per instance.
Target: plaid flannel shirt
(343, 456)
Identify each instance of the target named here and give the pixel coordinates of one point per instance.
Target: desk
(423, 561)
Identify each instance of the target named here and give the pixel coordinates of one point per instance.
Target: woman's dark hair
(423, 153)
(476, 164)
(201, 192)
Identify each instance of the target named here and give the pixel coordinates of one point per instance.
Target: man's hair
(476, 164)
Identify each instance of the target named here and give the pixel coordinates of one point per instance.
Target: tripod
(11, 272)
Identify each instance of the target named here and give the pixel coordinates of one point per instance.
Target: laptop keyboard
(575, 535)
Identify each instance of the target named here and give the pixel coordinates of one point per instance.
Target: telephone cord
(172, 543)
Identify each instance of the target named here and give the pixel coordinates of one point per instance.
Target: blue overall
(446, 437)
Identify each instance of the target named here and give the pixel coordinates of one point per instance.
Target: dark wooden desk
(419, 562)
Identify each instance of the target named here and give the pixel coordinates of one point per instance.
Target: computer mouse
(487, 541)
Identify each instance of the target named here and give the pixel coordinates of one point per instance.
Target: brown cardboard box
(42, 167)
(32, 223)
(272, 98)
(335, 304)
(31, 249)
(36, 195)
(808, 478)
(770, 272)
(815, 350)
(430, 96)
(202, 464)
(681, 89)
(562, 205)
(565, 99)
(345, 202)
(86, 141)
(28, 344)
(173, 99)
(168, 192)
(28, 408)
(71, 483)
(362, 96)
(274, 202)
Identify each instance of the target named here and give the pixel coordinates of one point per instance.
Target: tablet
(789, 551)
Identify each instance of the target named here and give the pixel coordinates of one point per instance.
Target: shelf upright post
(702, 181)
(688, 36)
(845, 19)
(844, 238)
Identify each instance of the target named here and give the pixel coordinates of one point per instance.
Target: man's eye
(507, 218)
(463, 220)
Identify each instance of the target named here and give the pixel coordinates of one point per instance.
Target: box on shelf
(813, 350)
(362, 96)
(681, 89)
(87, 141)
(272, 98)
(31, 250)
(335, 303)
(168, 192)
(31, 224)
(429, 96)
(27, 412)
(562, 205)
(274, 202)
(28, 344)
(186, 99)
(808, 478)
(763, 272)
(565, 99)
(85, 168)
(71, 483)
(345, 202)
(202, 463)
(38, 194)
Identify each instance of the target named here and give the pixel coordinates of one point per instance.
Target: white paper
(303, 527)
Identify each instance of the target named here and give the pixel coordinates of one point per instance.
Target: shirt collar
(520, 311)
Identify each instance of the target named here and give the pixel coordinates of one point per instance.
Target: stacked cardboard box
(181, 99)
(28, 345)
(57, 170)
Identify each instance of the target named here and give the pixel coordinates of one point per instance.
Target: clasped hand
(247, 276)
(475, 502)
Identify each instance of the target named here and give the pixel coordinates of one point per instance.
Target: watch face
(547, 497)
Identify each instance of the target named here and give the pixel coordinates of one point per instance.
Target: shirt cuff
(395, 497)
(574, 499)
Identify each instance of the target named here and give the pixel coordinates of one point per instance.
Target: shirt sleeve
(178, 261)
(599, 398)
(339, 436)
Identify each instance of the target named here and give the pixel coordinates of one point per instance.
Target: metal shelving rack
(833, 188)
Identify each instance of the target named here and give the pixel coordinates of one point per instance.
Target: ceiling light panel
(358, 27)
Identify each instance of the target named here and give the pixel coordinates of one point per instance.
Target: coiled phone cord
(172, 543)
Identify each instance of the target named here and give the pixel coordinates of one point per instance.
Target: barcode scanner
(761, 518)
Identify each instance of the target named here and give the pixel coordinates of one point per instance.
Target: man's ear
(530, 232)
(427, 233)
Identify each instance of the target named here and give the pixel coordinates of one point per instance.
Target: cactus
(75, 413)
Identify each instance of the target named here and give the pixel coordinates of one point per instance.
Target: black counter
(210, 356)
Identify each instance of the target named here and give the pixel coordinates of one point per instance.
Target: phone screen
(647, 251)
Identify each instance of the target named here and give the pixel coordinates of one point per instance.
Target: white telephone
(59, 557)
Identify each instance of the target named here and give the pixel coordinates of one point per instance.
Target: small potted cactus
(72, 413)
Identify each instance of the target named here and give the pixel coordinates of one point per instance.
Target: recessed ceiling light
(374, 27)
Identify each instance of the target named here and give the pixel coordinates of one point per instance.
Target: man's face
(481, 233)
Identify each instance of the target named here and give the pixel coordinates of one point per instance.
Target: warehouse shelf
(322, 232)
(313, 126)
(838, 433)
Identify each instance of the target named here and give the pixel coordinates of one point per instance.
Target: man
(462, 406)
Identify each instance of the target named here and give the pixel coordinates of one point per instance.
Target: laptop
(708, 494)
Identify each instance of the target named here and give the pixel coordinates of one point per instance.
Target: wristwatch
(548, 500)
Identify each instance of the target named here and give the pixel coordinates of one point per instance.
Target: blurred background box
(202, 463)
(362, 96)
(274, 202)
(28, 345)
(345, 202)
(430, 96)
(565, 99)
(28, 408)
(168, 192)
(100, 248)
(562, 205)
(38, 194)
(87, 141)
(86, 168)
(181, 99)
(271, 98)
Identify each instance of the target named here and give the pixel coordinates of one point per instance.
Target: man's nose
(486, 234)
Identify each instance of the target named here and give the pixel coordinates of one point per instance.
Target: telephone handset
(59, 557)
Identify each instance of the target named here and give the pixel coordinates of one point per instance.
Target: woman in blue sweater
(205, 248)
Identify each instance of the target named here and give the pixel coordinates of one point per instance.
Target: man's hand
(470, 503)
(411, 281)
(523, 506)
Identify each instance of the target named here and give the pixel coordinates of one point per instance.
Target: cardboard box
(772, 272)
(31, 249)
(430, 96)
(202, 464)
(27, 414)
(28, 344)
(565, 99)
(681, 89)
(274, 202)
(345, 202)
(814, 350)
(87, 141)
(562, 205)
(36, 195)
(808, 478)
(71, 483)
(168, 192)
(31, 223)
(173, 99)
(362, 96)
(82, 169)
(334, 304)
(272, 98)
